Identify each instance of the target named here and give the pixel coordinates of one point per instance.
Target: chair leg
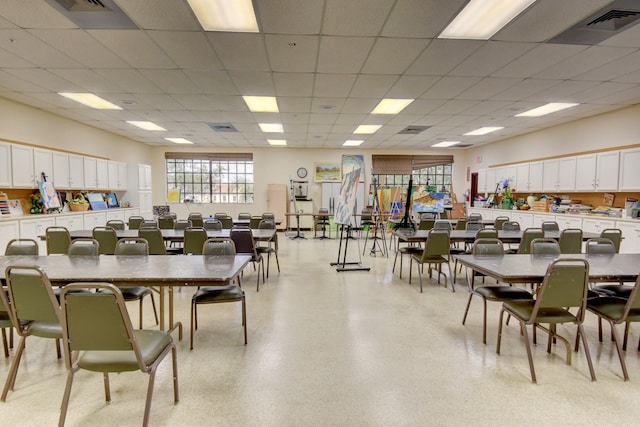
(466, 310)
(155, 312)
(499, 331)
(147, 406)
(65, 398)
(420, 275)
(453, 282)
(174, 363)
(619, 349)
(244, 319)
(193, 322)
(13, 371)
(107, 389)
(529, 355)
(277, 261)
(626, 335)
(586, 351)
(5, 344)
(484, 321)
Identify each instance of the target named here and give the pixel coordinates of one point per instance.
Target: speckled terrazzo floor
(340, 349)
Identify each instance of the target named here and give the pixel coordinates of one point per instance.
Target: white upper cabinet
(535, 176)
(117, 175)
(5, 165)
(521, 182)
(598, 172)
(482, 180)
(76, 172)
(630, 170)
(42, 163)
(22, 176)
(61, 170)
(491, 181)
(90, 173)
(102, 174)
(144, 177)
(559, 174)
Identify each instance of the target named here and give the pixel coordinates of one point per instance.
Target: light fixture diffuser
(484, 130)
(481, 19)
(261, 104)
(90, 100)
(367, 129)
(271, 127)
(146, 125)
(225, 15)
(549, 108)
(277, 142)
(391, 106)
(446, 143)
(179, 140)
(352, 143)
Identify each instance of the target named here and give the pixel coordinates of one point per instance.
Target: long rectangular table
(468, 236)
(175, 235)
(161, 271)
(532, 268)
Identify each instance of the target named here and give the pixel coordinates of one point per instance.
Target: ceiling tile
(289, 16)
(160, 14)
(538, 59)
(135, 47)
(393, 56)
(240, 51)
(420, 18)
(255, 83)
(198, 56)
(292, 53)
(171, 81)
(441, 56)
(585, 60)
(343, 54)
(487, 87)
(333, 85)
(293, 84)
(490, 57)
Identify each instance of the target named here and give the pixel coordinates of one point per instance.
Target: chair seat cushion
(612, 308)
(211, 294)
(264, 249)
(613, 290)
(151, 343)
(45, 329)
(522, 309)
(132, 293)
(429, 259)
(410, 250)
(501, 293)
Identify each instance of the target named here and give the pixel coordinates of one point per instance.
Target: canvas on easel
(48, 195)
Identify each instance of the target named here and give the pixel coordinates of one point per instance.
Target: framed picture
(327, 172)
(351, 162)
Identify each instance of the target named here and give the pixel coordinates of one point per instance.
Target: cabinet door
(567, 174)
(71, 222)
(61, 170)
(522, 177)
(102, 174)
(482, 181)
(122, 176)
(92, 220)
(9, 230)
(5, 168)
(42, 164)
(76, 172)
(608, 165)
(22, 176)
(629, 170)
(90, 173)
(596, 225)
(146, 205)
(113, 175)
(535, 176)
(34, 228)
(631, 237)
(586, 172)
(492, 180)
(144, 177)
(550, 175)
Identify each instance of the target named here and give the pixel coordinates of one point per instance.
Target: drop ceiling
(328, 62)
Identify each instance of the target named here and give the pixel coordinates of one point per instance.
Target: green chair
(254, 222)
(58, 240)
(181, 224)
(136, 246)
(116, 224)
(436, 251)
(135, 221)
(99, 337)
(616, 310)
(613, 234)
(426, 224)
(154, 238)
(212, 224)
(84, 247)
(149, 224)
(511, 226)
(563, 289)
(196, 219)
(166, 222)
(5, 323)
(499, 222)
(601, 246)
(571, 241)
(550, 226)
(491, 248)
(227, 222)
(217, 294)
(527, 236)
(271, 246)
(219, 215)
(194, 238)
(542, 246)
(17, 247)
(34, 311)
(410, 249)
(244, 215)
(461, 224)
(107, 238)
(243, 240)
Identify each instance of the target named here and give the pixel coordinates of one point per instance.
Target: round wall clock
(302, 172)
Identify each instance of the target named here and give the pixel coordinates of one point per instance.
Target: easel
(298, 234)
(378, 224)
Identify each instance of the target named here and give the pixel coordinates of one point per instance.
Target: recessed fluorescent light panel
(352, 143)
(484, 130)
(271, 127)
(261, 104)
(391, 106)
(146, 125)
(481, 19)
(179, 140)
(277, 142)
(367, 129)
(446, 143)
(225, 15)
(549, 108)
(90, 100)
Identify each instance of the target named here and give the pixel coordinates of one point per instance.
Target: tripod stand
(378, 243)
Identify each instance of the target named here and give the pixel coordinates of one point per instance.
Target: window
(426, 170)
(211, 177)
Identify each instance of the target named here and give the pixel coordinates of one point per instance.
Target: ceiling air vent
(616, 17)
(461, 146)
(222, 127)
(94, 14)
(413, 130)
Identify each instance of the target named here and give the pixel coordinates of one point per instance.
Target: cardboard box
(541, 206)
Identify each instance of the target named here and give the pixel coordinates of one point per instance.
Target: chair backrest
(511, 226)
(84, 247)
(426, 224)
(243, 240)
(442, 225)
(173, 215)
(550, 226)
(527, 236)
(366, 215)
(181, 224)
(196, 219)
(486, 233)
(437, 244)
(135, 221)
(267, 224)
(542, 246)
(323, 211)
(427, 215)
(564, 285)
(600, 246)
(154, 238)
(254, 222)
(443, 215)
(58, 240)
(473, 225)
(219, 246)
(132, 246)
(194, 238)
(166, 222)
(244, 215)
(107, 238)
(219, 215)
(571, 241)
(116, 224)
(31, 296)
(475, 217)
(227, 222)
(613, 234)
(499, 221)
(149, 224)
(212, 224)
(269, 215)
(488, 247)
(461, 224)
(21, 247)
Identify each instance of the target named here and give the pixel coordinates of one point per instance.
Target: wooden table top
(176, 235)
(468, 236)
